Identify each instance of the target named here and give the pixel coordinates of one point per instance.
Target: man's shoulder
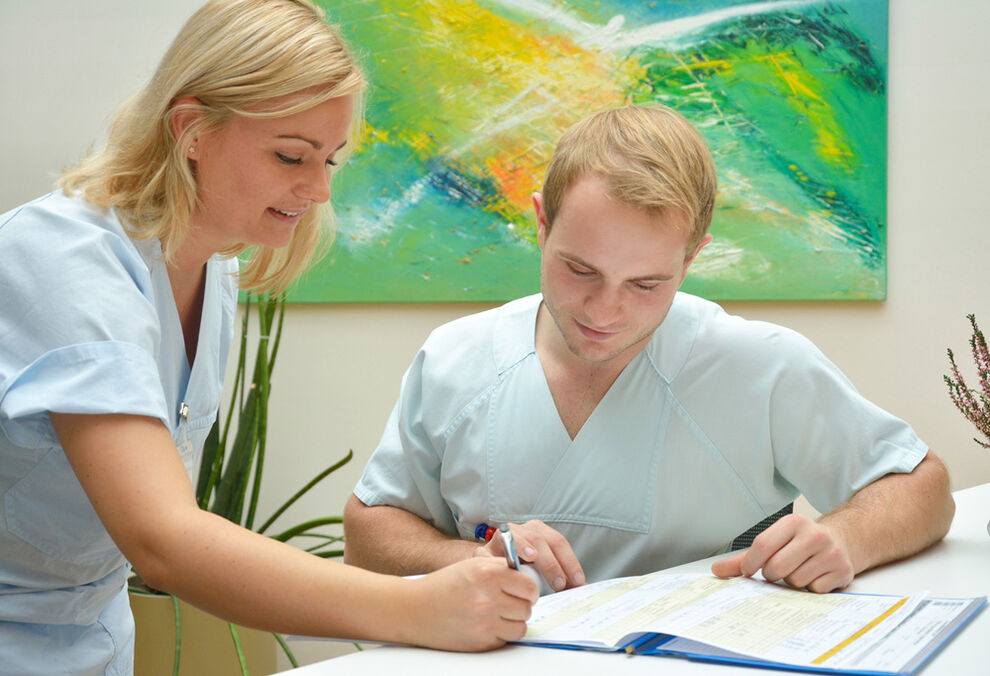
(729, 336)
(477, 347)
(482, 330)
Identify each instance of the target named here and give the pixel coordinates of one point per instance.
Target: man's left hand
(803, 553)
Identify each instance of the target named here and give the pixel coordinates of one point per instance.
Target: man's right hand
(545, 548)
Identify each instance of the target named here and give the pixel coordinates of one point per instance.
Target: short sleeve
(79, 330)
(821, 426)
(404, 471)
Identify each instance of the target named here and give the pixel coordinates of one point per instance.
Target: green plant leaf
(305, 526)
(305, 489)
(177, 654)
(238, 649)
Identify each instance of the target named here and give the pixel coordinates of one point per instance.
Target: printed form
(748, 620)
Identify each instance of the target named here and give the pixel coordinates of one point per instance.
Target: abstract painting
(469, 97)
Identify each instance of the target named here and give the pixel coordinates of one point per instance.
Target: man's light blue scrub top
(716, 424)
(88, 325)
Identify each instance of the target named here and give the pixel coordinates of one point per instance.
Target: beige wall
(340, 366)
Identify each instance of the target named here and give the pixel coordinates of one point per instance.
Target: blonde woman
(118, 295)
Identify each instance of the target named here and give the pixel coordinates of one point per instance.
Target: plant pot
(207, 645)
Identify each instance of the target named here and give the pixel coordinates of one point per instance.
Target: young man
(621, 427)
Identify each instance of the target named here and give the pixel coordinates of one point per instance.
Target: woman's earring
(192, 149)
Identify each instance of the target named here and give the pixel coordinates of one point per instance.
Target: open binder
(745, 621)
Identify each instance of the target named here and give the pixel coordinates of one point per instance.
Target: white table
(959, 566)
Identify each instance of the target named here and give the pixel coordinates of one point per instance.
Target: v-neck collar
(198, 376)
(667, 351)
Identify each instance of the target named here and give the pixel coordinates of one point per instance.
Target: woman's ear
(184, 112)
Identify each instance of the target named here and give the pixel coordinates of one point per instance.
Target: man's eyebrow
(316, 144)
(655, 277)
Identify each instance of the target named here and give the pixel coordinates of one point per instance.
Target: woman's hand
(472, 605)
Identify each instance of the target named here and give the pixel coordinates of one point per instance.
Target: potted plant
(233, 463)
(972, 402)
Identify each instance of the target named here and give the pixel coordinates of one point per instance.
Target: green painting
(469, 97)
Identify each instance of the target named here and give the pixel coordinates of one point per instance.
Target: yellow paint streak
(704, 63)
(420, 142)
(477, 62)
(805, 98)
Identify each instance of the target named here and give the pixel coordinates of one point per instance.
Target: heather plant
(973, 403)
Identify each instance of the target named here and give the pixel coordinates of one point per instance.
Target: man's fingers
(730, 567)
(797, 550)
(549, 567)
(828, 583)
(568, 561)
(549, 551)
(775, 542)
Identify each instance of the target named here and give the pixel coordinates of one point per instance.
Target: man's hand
(801, 552)
(895, 516)
(475, 604)
(545, 548)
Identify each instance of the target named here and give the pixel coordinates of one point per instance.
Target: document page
(761, 621)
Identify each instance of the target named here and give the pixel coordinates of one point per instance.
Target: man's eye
(580, 272)
(645, 286)
(285, 159)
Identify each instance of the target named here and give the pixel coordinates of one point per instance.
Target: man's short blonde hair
(649, 156)
(232, 57)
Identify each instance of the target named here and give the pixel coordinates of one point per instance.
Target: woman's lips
(285, 216)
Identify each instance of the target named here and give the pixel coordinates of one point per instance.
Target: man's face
(609, 271)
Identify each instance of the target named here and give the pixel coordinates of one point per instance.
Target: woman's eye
(332, 163)
(285, 159)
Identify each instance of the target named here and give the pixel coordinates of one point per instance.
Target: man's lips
(594, 334)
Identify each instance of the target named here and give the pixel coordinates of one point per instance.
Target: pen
(509, 546)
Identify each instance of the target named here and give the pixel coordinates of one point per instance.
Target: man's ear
(541, 220)
(184, 112)
(705, 241)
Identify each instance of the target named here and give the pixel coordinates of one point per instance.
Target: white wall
(340, 365)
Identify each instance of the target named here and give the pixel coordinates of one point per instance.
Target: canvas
(468, 99)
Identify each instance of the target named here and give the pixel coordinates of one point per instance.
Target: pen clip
(509, 546)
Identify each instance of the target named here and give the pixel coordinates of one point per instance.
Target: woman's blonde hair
(649, 156)
(231, 56)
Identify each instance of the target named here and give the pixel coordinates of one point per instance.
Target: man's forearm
(896, 515)
(394, 541)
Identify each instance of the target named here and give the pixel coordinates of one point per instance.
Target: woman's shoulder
(58, 219)
(70, 253)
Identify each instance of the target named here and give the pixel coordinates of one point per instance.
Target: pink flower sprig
(972, 403)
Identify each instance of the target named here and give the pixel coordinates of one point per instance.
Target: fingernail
(558, 583)
(579, 578)
(529, 553)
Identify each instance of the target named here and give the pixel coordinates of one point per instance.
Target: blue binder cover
(893, 642)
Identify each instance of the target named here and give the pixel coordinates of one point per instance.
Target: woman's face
(256, 177)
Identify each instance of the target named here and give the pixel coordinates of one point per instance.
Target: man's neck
(577, 385)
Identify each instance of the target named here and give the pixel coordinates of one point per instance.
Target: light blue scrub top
(88, 325)
(716, 424)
